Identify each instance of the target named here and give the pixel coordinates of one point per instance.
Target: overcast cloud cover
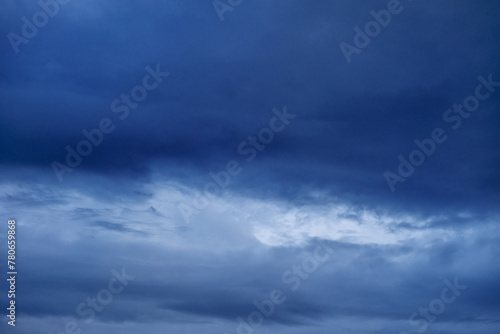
(376, 253)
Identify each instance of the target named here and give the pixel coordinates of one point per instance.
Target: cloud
(320, 180)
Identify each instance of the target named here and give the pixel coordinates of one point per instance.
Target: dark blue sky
(211, 158)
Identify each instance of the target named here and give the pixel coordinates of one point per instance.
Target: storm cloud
(176, 162)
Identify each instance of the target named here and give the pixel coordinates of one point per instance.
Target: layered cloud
(319, 181)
